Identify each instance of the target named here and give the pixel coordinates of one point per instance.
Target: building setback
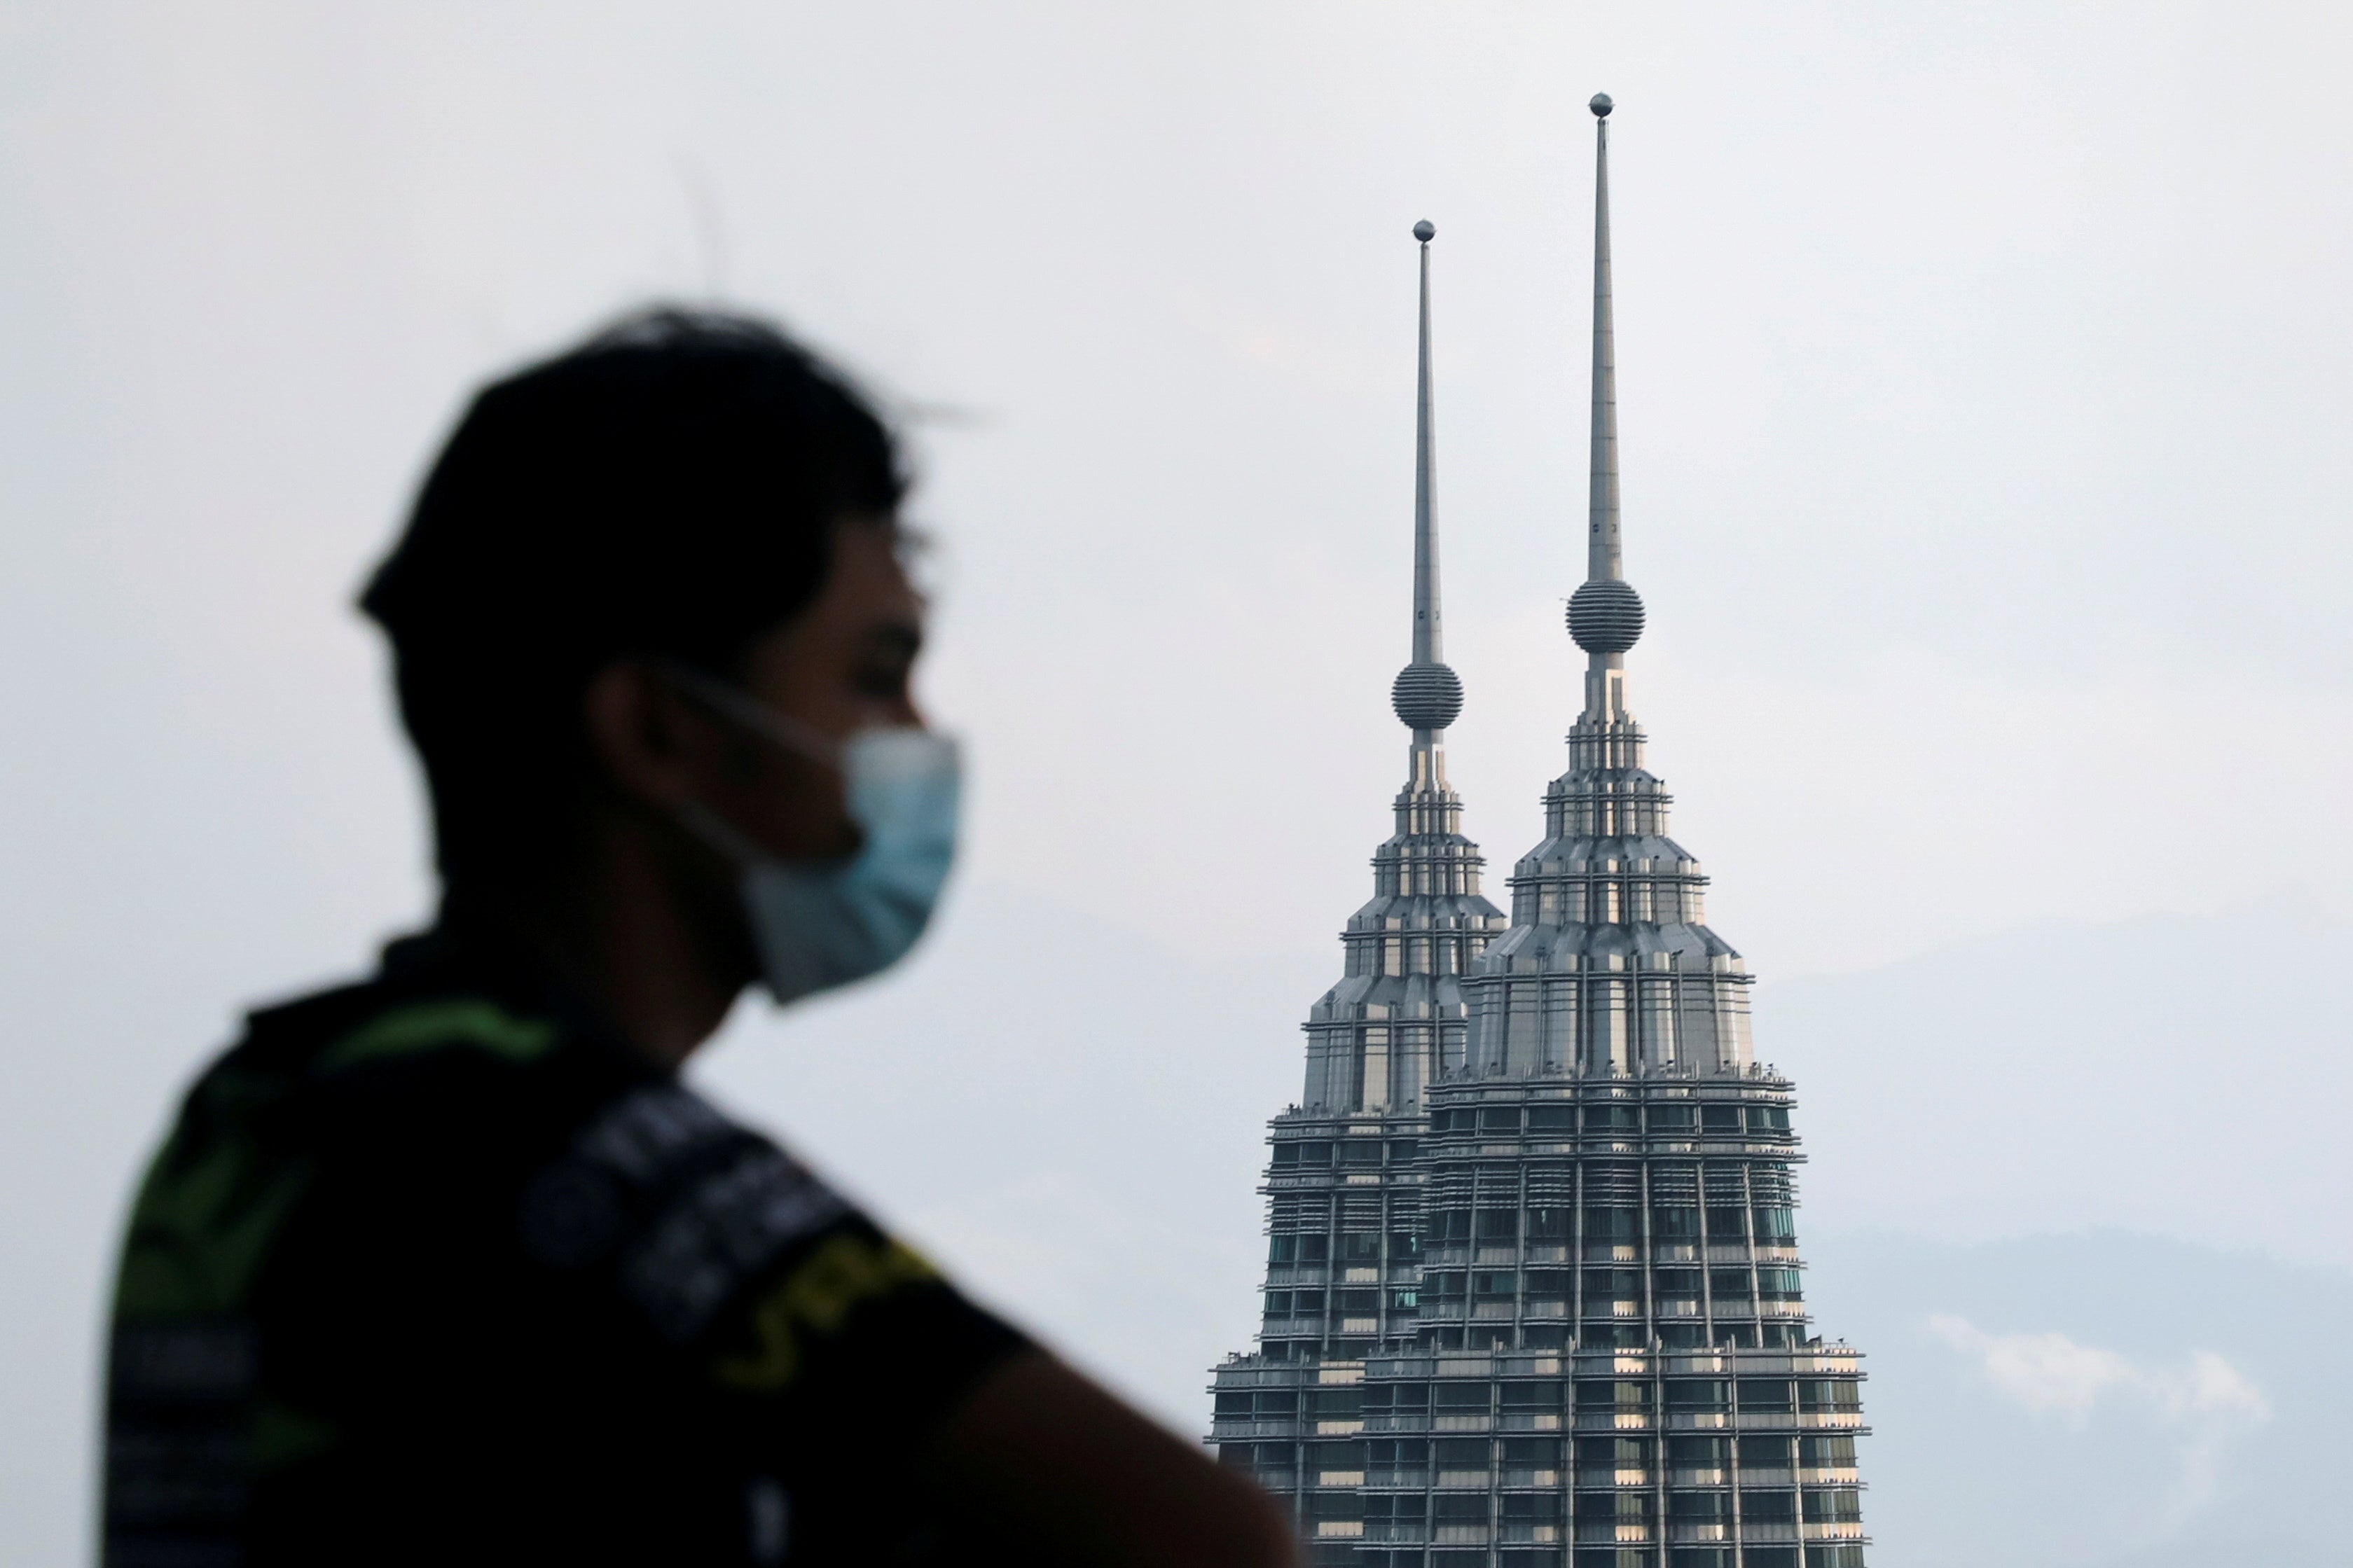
(1533, 1295)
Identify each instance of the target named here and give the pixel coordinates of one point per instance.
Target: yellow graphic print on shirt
(816, 1298)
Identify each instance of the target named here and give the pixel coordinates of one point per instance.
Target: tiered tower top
(1395, 1021)
(1609, 968)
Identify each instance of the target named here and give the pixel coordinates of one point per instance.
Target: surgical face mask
(823, 925)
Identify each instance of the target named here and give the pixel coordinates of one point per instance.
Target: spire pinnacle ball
(1425, 231)
(1427, 697)
(1601, 106)
(1605, 616)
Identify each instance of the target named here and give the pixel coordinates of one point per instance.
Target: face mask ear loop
(734, 702)
(721, 835)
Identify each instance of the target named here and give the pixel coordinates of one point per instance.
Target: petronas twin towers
(1533, 1294)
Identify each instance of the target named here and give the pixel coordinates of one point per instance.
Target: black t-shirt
(432, 1270)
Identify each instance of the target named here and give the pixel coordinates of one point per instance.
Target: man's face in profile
(845, 663)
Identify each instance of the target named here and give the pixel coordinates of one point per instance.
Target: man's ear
(651, 744)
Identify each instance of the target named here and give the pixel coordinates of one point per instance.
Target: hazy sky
(1983, 390)
(1984, 383)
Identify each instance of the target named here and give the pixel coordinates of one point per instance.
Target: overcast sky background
(1984, 383)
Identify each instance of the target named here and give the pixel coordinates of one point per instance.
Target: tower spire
(1603, 561)
(1428, 646)
(1428, 696)
(1605, 616)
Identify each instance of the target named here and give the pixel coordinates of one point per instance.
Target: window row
(1593, 1332)
(1356, 1249)
(1774, 1284)
(1539, 1223)
(1316, 1153)
(1609, 1455)
(1348, 1555)
(1775, 1396)
(1773, 1505)
(1681, 1117)
(1544, 1226)
(1347, 1303)
(1343, 1403)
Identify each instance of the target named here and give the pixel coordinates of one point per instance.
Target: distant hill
(2181, 1076)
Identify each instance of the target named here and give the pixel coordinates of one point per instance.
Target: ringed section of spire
(1427, 696)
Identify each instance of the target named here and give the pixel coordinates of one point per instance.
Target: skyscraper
(1532, 1292)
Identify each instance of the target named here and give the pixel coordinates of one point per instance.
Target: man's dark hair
(667, 489)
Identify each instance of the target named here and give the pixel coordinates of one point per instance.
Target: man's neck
(628, 938)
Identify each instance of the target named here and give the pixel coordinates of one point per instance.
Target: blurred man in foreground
(448, 1266)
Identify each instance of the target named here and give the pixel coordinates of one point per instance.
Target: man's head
(682, 490)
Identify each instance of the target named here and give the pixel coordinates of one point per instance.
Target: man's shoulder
(449, 1086)
(428, 1004)
(437, 1116)
(410, 1079)
(462, 1025)
(435, 1036)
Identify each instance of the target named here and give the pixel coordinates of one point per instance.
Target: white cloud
(2207, 1400)
(2047, 1374)
(2213, 1386)
(2051, 1375)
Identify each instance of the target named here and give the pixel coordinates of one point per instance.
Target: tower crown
(1394, 1023)
(1608, 909)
